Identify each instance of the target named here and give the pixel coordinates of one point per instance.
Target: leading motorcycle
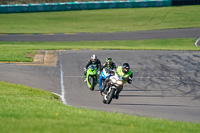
(115, 83)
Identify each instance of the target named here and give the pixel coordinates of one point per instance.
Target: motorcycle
(92, 76)
(104, 74)
(115, 83)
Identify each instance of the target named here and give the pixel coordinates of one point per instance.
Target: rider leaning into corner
(93, 61)
(127, 75)
(110, 65)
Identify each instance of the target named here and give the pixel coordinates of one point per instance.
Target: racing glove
(129, 80)
(99, 72)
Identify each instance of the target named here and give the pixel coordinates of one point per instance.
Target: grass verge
(28, 110)
(107, 20)
(20, 51)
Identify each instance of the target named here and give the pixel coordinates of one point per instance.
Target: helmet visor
(125, 70)
(109, 60)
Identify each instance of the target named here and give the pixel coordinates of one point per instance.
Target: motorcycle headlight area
(119, 82)
(113, 80)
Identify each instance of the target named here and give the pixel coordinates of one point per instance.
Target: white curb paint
(61, 97)
(62, 83)
(197, 41)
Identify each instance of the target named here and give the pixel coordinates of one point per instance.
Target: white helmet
(94, 58)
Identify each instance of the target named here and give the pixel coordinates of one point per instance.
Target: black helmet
(108, 61)
(93, 58)
(125, 68)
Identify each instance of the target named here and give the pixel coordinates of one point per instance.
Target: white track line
(197, 41)
(147, 77)
(62, 84)
(155, 77)
(74, 76)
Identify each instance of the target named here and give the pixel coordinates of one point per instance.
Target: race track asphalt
(141, 35)
(166, 84)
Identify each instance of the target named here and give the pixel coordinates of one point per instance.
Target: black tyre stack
(185, 2)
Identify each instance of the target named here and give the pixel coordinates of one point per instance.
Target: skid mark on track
(182, 80)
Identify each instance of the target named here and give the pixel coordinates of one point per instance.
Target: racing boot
(117, 96)
(117, 93)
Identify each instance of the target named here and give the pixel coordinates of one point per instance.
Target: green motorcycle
(92, 76)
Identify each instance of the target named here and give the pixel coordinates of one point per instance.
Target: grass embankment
(115, 20)
(27, 110)
(19, 51)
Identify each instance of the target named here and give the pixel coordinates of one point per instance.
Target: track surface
(155, 34)
(166, 83)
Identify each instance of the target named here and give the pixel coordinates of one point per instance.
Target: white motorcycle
(115, 83)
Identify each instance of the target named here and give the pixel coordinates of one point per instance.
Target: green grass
(27, 110)
(19, 51)
(108, 20)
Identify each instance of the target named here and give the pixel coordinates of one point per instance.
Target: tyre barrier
(185, 2)
(68, 6)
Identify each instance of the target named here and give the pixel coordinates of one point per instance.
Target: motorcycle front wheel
(110, 96)
(92, 80)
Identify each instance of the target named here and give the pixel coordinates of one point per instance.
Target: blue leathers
(104, 74)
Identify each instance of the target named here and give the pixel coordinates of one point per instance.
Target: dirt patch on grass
(43, 57)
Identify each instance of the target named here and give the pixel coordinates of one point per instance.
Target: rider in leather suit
(93, 61)
(127, 75)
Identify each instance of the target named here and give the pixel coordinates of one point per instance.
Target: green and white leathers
(120, 73)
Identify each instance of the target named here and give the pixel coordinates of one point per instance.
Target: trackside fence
(68, 6)
(10, 6)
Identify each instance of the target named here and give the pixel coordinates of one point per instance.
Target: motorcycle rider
(93, 61)
(110, 65)
(126, 74)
